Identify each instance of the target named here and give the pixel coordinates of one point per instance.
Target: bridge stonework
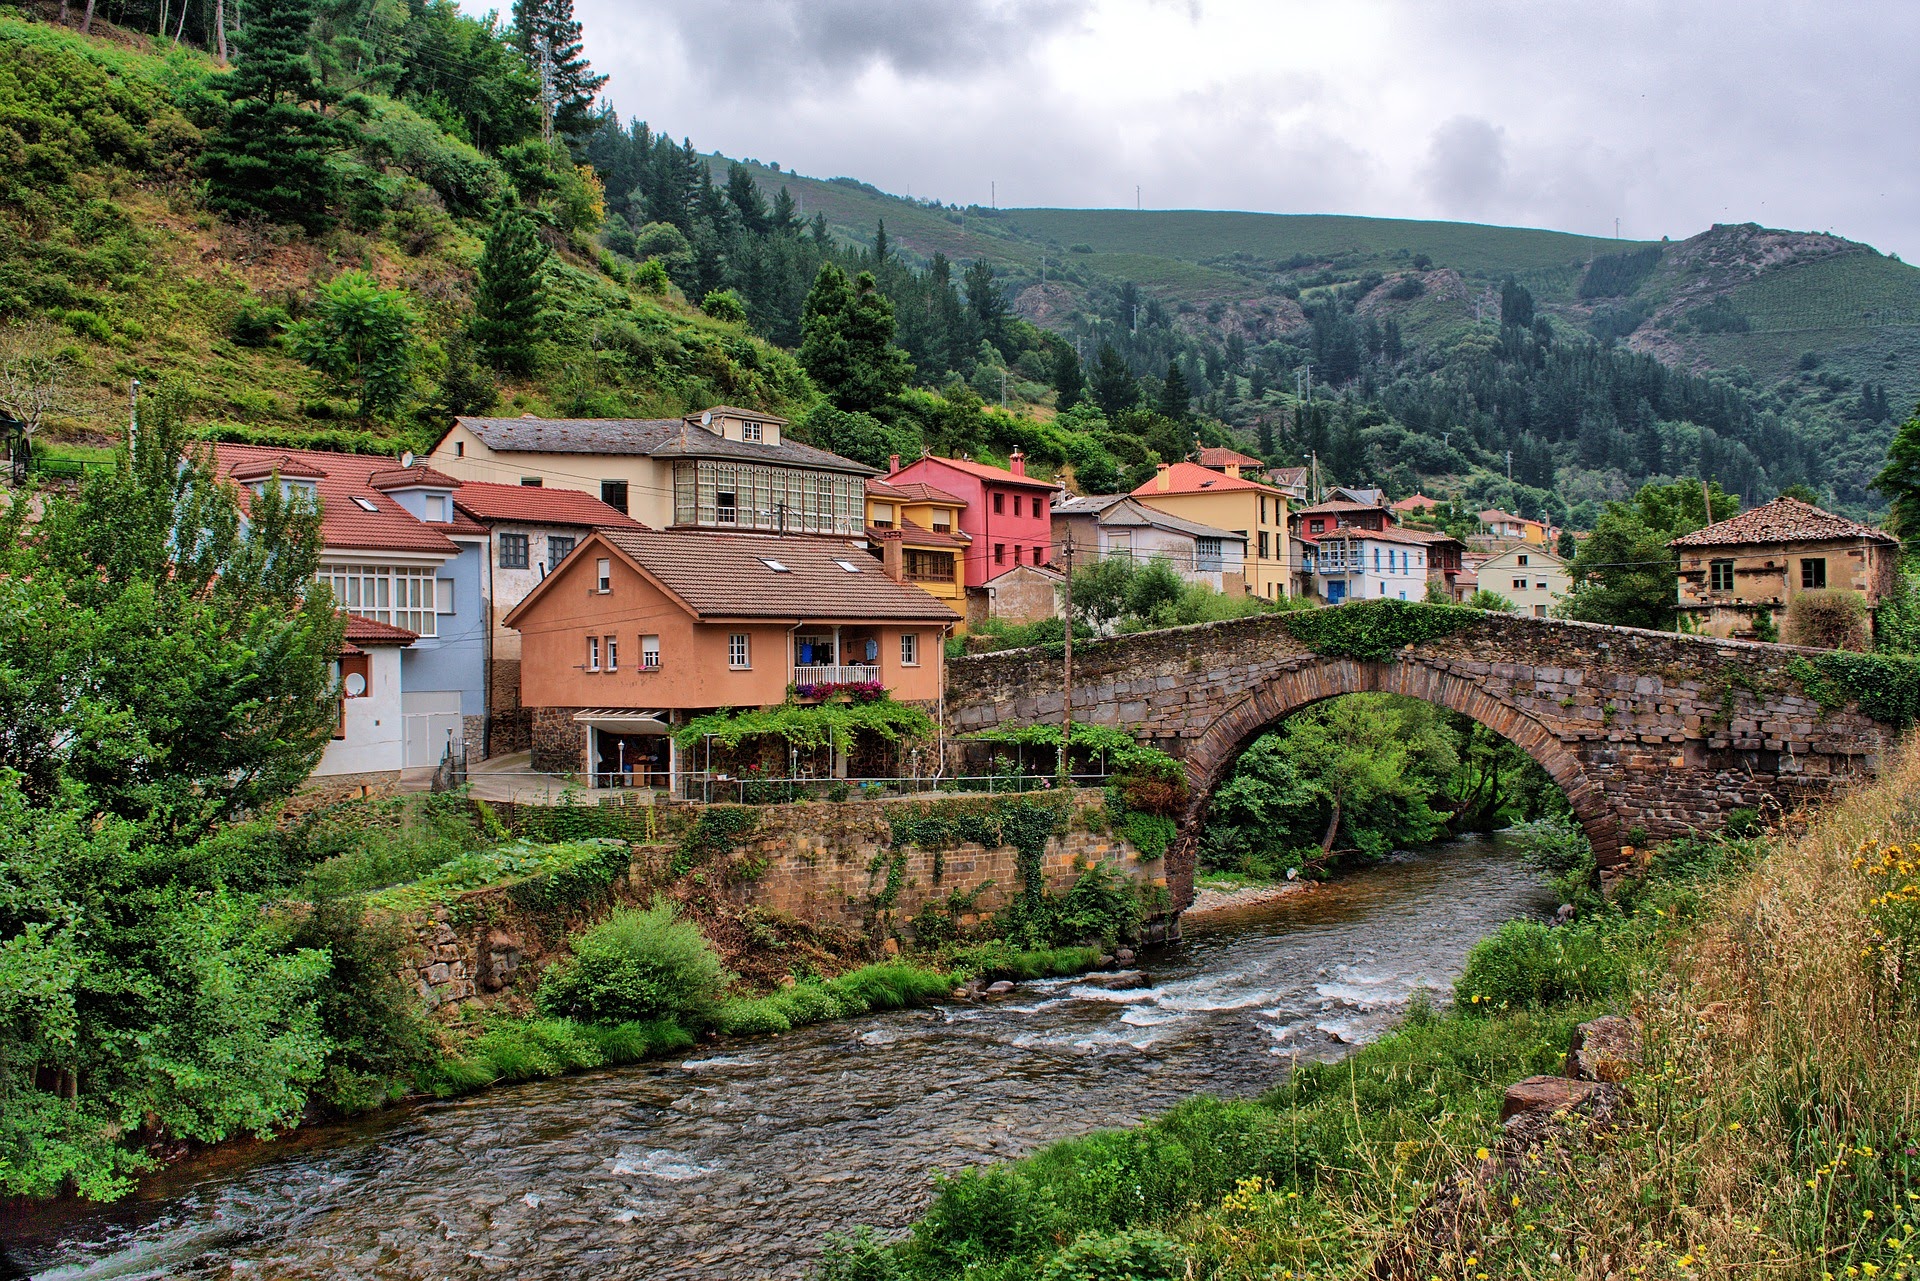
(1642, 730)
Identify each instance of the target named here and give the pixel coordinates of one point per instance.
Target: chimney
(893, 464)
(1018, 462)
(1163, 477)
(893, 557)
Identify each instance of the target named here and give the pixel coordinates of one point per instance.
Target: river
(733, 1163)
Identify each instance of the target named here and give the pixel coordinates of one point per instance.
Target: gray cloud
(1466, 169)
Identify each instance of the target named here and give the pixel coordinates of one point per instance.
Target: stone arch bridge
(1642, 730)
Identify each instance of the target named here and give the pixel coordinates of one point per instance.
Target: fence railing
(761, 790)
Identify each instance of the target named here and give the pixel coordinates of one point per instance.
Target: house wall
(374, 725)
(693, 671)
(649, 484)
(1546, 579)
(1767, 576)
(454, 661)
(1031, 530)
(1389, 581)
(1238, 511)
(1146, 543)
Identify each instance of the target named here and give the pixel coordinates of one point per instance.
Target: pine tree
(1899, 480)
(511, 292)
(744, 194)
(1516, 305)
(784, 219)
(549, 35)
(1175, 398)
(1114, 387)
(986, 304)
(1067, 379)
(270, 157)
(846, 341)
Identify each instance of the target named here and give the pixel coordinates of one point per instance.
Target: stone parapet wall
(558, 743)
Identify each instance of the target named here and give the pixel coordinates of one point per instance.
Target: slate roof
(1784, 520)
(726, 576)
(344, 524)
(648, 437)
(537, 505)
(1192, 478)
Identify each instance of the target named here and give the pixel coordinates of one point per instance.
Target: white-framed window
(402, 595)
(443, 596)
(603, 575)
(649, 653)
(739, 651)
(593, 653)
(1520, 584)
(751, 431)
(909, 649)
(613, 653)
(437, 508)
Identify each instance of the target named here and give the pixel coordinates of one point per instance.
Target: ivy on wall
(718, 829)
(1885, 686)
(1376, 630)
(811, 726)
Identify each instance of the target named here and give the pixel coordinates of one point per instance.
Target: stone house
(1532, 577)
(1024, 594)
(1756, 563)
(1114, 525)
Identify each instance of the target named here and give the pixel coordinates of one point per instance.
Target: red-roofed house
(1756, 563)
(1243, 507)
(404, 565)
(1007, 515)
(1372, 564)
(1229, 462)
(914, 528)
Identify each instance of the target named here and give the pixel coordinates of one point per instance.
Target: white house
(1370, 564)
(1530, 576)
(1105, 525)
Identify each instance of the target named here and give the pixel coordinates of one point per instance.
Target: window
(1539, 611)
(613, 653)
(909, 649)
(459, 449)
(398, 594)
(739, 652)
(603, 575)
(1319, 526)
(1520, 584)
(437, 508)
(726, 507)
(614, 494)
(848, 565)
(558, 546)
(813, 651)
(774, 565)
(1376, 564)
(1263, 543)
(999, 553)
(1720, 575)
(443, 596)
(530, 482)
(513, 551)
(1039, 555)
(928, 567)
(649, 653)
(999, 504)
(1813, 571)
(1263, 509)
(365, 504)
(1207, 554)
(1016, 553)
(777, 499)
(1521, 559)
(751, 431)
(883, 515)
(942, 522)
(1016, 504)
(593, 653)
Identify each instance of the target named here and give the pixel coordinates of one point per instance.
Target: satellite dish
(356, 684)
(406, 459)
(706, 419)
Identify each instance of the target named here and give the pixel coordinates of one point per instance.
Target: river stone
(1124, 955)
(1606, 1049)
(1000, 988)
(1547, 1094)
(1116, 980)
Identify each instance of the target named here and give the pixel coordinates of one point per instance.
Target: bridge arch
(1210, 757)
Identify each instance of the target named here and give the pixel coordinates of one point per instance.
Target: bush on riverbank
(638, 965)
(1777, 1123)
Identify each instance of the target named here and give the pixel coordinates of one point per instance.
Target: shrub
(746, 1016)
(724, 304)
(999, 959)
(891, 986)
(1524, 963)
(650, 277)
(257, 324)
(1102, 905)
(1137, 1255)
(637, 965)
(857, 1256)
(805, 1003)
(1828, 618)
(373, 1025)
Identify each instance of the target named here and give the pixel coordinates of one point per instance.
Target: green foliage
(1489, 601)
(1828, 618)
(1374, 630)
(811, 726)
(1095, 744)
(509, 298)
(550, 872)
(378, 1034)
(846, 342)
(1134, 1255)
(999, 959)
(724, 305)
(1899, 479)
(718, 830)
(361, 338)
(1120, 592)
(1884, 686)
(1525, 963)
(1103, 905)
(637, 965)
(1625, 573)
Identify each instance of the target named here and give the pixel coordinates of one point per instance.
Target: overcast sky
(1552, 113)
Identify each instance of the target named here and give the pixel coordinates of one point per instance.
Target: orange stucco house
(637, 631)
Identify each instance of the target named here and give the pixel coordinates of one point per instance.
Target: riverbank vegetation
(1362, 775)
(1772, 1127)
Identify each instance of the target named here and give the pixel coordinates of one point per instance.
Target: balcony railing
(835, 674)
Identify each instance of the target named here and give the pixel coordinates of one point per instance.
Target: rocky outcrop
(1606, 1049)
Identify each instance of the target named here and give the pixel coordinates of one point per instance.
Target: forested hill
(425, 249)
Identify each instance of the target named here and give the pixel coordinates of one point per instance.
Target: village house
(1321, 517)
(1445, 555)
(1529, 575)
(722, 468)
(914, 529)
(638, 630)
(1499, 525)
(1756, 563)
(1415, 505)
(1352, 563)
(530, 530)
(1228, 462)
(405, 566)
(1234, 504)
(1294, 482)
(1004, 512)
(1116, 525)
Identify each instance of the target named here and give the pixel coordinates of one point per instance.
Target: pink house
(1008, 513)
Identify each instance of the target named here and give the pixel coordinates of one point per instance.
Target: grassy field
(1860, 290)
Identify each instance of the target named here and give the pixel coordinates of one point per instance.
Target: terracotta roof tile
(366, 631)
(1218, 456)
(418, 476)
(1388, 535)
(1335, 506)
(916, 535)
(345, 523)
(912, 491)
(284, 465)
(537, 505)
(1192, 478)
(727, 576)
(1784, 520)
(998, 475)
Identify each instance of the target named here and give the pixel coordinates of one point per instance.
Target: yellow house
(916, 530)
(1235, 504)
(1533, 578)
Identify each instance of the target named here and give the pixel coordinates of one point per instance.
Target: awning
(623, 720)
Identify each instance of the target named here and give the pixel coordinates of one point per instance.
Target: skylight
(774, 565)
(366, 504)
(848, 565)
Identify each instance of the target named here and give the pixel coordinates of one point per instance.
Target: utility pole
(1136, 197)
(546, 89)
(1509, 464)
(993, 195)
(1065, 767)
(1706, 497)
